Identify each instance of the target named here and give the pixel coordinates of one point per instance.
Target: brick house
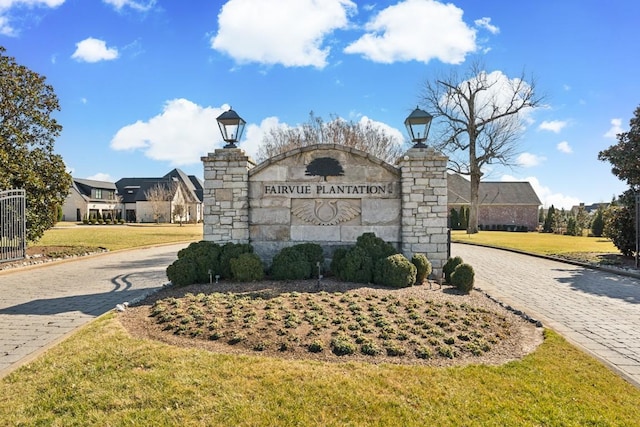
(502, 205)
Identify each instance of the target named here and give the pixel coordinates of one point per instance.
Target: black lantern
(231, 127)
(418, 124)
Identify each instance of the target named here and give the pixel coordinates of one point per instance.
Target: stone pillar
(424, 206)
(226, 196)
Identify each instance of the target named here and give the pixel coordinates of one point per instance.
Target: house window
(98, 193)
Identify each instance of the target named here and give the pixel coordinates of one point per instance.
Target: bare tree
(482, 114)
(158, 196)
(364, 135)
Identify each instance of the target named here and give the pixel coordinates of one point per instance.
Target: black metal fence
(13, 242)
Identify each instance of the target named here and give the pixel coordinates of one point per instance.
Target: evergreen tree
(27, 135)
(549, 221)
(597, 225)
(619, 221)
(454, 219)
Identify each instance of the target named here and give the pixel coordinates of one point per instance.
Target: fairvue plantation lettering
(328, 189)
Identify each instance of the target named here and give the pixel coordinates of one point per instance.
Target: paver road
(595, 310)
(40, 306)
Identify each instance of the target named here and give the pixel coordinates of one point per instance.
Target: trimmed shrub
(205, 256)
(182, 272)
(337, 262)
(463, 277)
(356, 266)
(314, 255)
(247, 268)
(375, 247)
(395, 271)
(228, 252)
(199, 259)
(449, 266)
(423, 267)
(290, 264)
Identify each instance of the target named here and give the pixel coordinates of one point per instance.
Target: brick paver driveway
(40, 306)
(595, 310)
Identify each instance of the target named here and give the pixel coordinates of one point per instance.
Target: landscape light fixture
(418, 124)
(231, 127)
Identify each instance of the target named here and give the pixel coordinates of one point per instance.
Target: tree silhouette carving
(324, 167)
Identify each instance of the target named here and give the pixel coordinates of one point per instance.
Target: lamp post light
(418, 124)
(231, 127)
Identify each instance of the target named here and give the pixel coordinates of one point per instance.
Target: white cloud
(554, 126)
(100, 176)
(616, 128)
(287, 32)
(416, 30)
(254, 133)
(496, 99)
(486, 24)
(94, 50)
(180, 134)
(394, 133)
(529, 160)
(6, 5)
(564, 147)
(546, 195)
(136, 5)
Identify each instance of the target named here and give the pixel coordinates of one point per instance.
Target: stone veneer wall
(226, 196)
(284, 201)
(424, 206)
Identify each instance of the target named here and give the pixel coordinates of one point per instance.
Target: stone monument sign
(327, 194)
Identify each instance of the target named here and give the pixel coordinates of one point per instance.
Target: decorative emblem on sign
(326, 212)
(324, 167)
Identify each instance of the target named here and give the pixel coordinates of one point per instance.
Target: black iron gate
(13, 241)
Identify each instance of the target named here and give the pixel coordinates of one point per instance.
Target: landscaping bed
(336, 321)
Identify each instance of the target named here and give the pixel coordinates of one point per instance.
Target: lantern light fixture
(231, 127)
(418, 124)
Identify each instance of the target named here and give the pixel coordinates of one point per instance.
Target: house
(171, 198)
(501, 204)
(590, 209)
(174, 197)
(87, 198)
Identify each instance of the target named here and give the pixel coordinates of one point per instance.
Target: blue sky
(141, 82)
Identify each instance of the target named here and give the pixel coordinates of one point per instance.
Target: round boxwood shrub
(290, 264)
(395, 271)
(462, 277)
(356, 266)
(449, 266)
(204, 255)
(423, 267)
(313, 253)
(182, 272)
(247, 268)
(337, 261)
(227, 253)
(194, 263)
(375, 247)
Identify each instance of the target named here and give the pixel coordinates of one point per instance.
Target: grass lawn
(114, 237)
(540, 243)
(104, 376)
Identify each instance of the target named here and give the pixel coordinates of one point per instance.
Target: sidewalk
(41, 306)
(598, 311)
